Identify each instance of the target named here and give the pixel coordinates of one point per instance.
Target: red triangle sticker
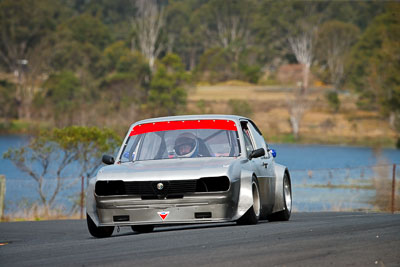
(163, 214)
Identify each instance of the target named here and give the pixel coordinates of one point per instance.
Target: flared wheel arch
(284, 215)
(98, 231)
(252, 216)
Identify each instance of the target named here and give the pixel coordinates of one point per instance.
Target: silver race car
(189, 169)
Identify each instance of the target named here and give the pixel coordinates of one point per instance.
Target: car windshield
(158, 143)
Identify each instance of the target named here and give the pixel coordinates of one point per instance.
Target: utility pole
(2, 195)
(393, 188)
(82, 195)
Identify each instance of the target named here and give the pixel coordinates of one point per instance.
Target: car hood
(167, 169)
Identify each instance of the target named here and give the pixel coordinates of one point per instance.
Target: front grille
(169, 189)
(138, 188)
(184, 186)
(146, 189)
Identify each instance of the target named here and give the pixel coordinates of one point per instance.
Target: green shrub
(250, 73)
(215, 65)
(168, 94)
(8, 103)
(333, 100)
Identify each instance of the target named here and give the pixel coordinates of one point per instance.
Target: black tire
(284, 215)
(142, 228)
(252, 215)
(99, 232)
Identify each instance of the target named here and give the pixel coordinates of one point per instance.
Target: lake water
(310, 165)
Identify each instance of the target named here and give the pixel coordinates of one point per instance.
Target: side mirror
(257, 153)
(106, 159)
(273, 152)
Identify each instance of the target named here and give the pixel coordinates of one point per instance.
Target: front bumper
(193, 208)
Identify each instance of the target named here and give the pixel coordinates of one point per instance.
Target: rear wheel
(284, 215)
(253, 214)
(101, 231)
(143, 228)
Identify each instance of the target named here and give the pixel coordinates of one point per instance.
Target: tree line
(73, 62)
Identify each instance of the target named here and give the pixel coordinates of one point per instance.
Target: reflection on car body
(188, 169)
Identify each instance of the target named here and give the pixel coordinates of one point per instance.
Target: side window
(247, 139)
(249, 146)
(257, 137)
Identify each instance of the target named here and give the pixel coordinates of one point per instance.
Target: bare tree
(21, 46)
(302, 46)
(335, 39)
(302, 42)
(147, 24)
(298, 105)
(230, 28)
(30, 73)
(232, 32)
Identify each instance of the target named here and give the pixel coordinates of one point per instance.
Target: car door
(249, 143)
(266, 164)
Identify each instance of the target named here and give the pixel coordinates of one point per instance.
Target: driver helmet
(186, 145)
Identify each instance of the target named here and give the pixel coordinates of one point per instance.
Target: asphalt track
(308, 239)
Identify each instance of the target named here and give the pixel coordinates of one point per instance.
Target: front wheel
(284, 215)
(253, 214)
(99, 232)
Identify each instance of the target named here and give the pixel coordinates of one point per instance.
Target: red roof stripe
(183, 125)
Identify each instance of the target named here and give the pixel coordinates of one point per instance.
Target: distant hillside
(268, 107)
